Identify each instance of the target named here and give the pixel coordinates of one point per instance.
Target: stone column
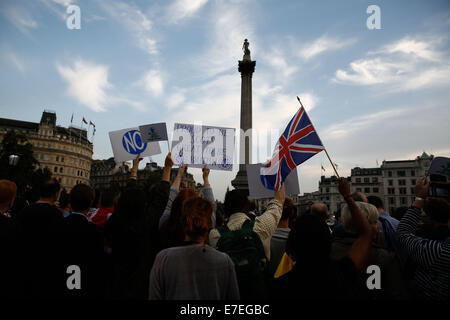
(246, 68)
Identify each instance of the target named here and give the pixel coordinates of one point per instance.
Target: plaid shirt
(265, 225)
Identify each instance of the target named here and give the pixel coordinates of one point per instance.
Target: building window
(358, 189)
(375, 180)
(358, 180)
(327, 190)
(391, 191)
(61, 170)
(367, 190)
(391, 182)
(413, 173)
(366, 180)
(41, 156)
(401, 173)
(402, 182)
(57, 158)
(402, 190)
(55, 169)
(412, 190)
(391, 200)
(62, 159)
(413, 182)
(375, 190)
(389, 173)
(403, 200)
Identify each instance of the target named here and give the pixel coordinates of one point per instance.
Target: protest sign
(154, 132)
(257, 189)
(128, 143)
(198, 145)
(440, 166)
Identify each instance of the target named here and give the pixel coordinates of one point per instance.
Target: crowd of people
(168, 243)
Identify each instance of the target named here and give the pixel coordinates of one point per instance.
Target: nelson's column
(246, 68)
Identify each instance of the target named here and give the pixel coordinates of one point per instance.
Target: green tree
(25, 174)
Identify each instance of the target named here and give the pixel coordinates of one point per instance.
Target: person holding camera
(432, 276)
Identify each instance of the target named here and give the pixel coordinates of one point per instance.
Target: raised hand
(344, 187)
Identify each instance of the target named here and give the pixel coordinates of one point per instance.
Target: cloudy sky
(372, 95)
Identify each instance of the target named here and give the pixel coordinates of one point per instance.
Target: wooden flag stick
(324, 149)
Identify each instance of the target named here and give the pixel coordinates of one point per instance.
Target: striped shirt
(433, 258)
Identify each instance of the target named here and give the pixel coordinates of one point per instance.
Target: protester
(193, 271)
(41, 244)
(315, 274)
(241, 236)
(83, 246)
(432, 276)
(132, 233)
(392, 286)
(171, 229)
(280, 236)
(387, 224)
(359, 196)
(9, 237)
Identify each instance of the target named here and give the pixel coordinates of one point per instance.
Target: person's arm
(174, 189)
(423, 251)
(266, 224)
(208, 193)
(168, 163)
(134, 169)
(359, 252)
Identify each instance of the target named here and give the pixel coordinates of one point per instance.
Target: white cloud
(406, 64)
(20, 18)
(152, 81)
(323, 44)
(230, 25)
(175, 99)
(13, 59)
(87, 83)
(134, 20)
(181, 9)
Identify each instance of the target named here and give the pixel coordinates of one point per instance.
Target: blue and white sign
(198, 145)
(128, 143)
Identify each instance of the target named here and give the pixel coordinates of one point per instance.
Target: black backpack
(247, 253)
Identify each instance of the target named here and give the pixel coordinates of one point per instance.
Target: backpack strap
(248, 224)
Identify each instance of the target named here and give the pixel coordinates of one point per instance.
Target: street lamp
(13, 160)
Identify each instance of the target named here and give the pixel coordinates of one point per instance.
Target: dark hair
(289, 210)
(309, 241)
(235, 201)
(175, 227)
(81, 197)
(196, 217)
(376, 201)
(107, 198)
(49, 188)
(437, 209)
(64, 199)
(399, 212)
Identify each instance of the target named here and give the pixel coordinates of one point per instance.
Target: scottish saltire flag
(298, 143)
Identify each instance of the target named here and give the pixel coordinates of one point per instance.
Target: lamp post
(13, 160)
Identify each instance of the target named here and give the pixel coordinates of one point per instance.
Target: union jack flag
(298, 143)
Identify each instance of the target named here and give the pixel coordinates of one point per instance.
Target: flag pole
(324, 149)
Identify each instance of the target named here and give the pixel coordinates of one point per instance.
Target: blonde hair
(368, 210)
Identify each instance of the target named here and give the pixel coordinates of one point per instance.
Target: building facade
(66, 152)
(368, 181)
(399, 179)
(107, 173)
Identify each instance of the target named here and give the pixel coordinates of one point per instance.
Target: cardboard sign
(198, 145)
(257, 189)
(154, 132)
(128, 143)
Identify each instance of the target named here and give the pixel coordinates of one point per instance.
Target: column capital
(246, 67)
